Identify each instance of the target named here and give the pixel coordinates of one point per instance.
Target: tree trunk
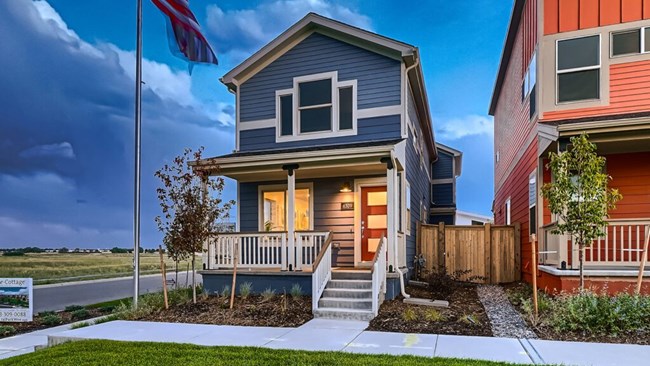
(581, 258)
(176, 280)
(193, 280)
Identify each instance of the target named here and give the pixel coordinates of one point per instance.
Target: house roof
(511, 37)
(309, 148)
(313, 22)
(457, 154)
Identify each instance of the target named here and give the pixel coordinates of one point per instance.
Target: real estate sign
(16, 304)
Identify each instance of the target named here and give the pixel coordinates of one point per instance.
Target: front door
(373, 219)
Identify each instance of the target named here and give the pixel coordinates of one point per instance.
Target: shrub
(80, 314)
(433, 315)
(72, 308)
(51, 319)
(296, 291)
(469, 319)
(7, 330)
(107, 319)
(600, 313)
(225, 291)
(79, 325)
(245, 290)
(106, 309)
(409, 315)
(45, 313)
(268, 295)
(14, 253)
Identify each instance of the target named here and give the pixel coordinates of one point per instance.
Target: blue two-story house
(333, 160)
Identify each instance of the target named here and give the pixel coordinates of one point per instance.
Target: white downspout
(406, 109)
(395, 241)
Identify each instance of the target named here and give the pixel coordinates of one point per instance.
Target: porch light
(345, 187)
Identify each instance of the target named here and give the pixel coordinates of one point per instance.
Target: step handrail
(321, 271)
(378, 271)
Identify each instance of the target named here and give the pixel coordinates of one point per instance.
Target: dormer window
(318, 106)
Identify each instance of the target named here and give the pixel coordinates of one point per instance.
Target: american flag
(185, 38)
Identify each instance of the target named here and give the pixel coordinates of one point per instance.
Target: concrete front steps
(348, 295)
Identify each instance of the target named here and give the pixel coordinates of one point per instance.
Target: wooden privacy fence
(488, 251)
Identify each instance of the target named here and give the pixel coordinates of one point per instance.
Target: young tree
(191, 206)
(579, 194)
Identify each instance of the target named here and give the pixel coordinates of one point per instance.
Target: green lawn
(110, 353)
(54, 267)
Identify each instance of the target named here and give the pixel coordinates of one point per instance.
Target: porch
(304, 213)
(611, 263)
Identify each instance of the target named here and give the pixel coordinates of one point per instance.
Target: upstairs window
(528, 85)
(318, 106)
(578, 69)
(626, 42)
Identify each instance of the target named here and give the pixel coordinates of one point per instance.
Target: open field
(144, 353)
(53, 267)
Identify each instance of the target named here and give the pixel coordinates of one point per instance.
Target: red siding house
(567, 67)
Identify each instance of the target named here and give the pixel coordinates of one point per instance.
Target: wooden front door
(374, 219)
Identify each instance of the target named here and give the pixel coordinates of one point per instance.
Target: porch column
(291, 209)
(391, 228)
(206, 246)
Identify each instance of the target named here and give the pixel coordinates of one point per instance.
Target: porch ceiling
(354, 161)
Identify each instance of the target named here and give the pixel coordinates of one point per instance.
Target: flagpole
(138, 129)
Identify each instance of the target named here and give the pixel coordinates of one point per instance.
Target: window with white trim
(408, 208)
(318, 106)
(578, 69)
(630, 42)
(273, 215)
(532, 203)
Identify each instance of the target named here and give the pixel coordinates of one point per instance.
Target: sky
(67, 101)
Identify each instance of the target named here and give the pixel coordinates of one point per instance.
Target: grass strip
(112, 353)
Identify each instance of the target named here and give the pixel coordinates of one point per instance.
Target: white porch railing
(263, 250)
(621, 246)
(379, 276)
(321, 272)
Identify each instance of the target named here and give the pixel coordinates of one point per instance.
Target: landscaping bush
(245, 290)
(225, 292)
(409, 315)
(150, 303)
(45, 313)
(80, 314)
(6, 330)
(296, 291)
(433, 315)
(51, 320)
(600, 313)
(72, 308)
(106, 309)
(268, 295)
(80, 325)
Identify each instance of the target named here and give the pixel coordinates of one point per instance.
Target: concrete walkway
(350, 336)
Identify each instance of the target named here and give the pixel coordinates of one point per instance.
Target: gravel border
(505, 319)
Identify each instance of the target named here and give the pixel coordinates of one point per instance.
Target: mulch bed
(548, 333)
(463, 301)
(36, 324)
(281, 311)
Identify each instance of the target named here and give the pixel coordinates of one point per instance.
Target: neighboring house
(333, 126)
(570, 67)
(469, 218)
(444, 173)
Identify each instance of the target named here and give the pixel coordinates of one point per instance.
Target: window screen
(646, 47)
(625, 43)
(286, 115)
(345, 108)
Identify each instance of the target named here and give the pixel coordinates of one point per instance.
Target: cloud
(243, 31)
(66, 134)
(61, 150)
(458, 128)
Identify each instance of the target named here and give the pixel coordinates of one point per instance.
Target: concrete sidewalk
(350, 336)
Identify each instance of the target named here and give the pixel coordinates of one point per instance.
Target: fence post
(488, 253)
(517, 251)
(442, 248)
